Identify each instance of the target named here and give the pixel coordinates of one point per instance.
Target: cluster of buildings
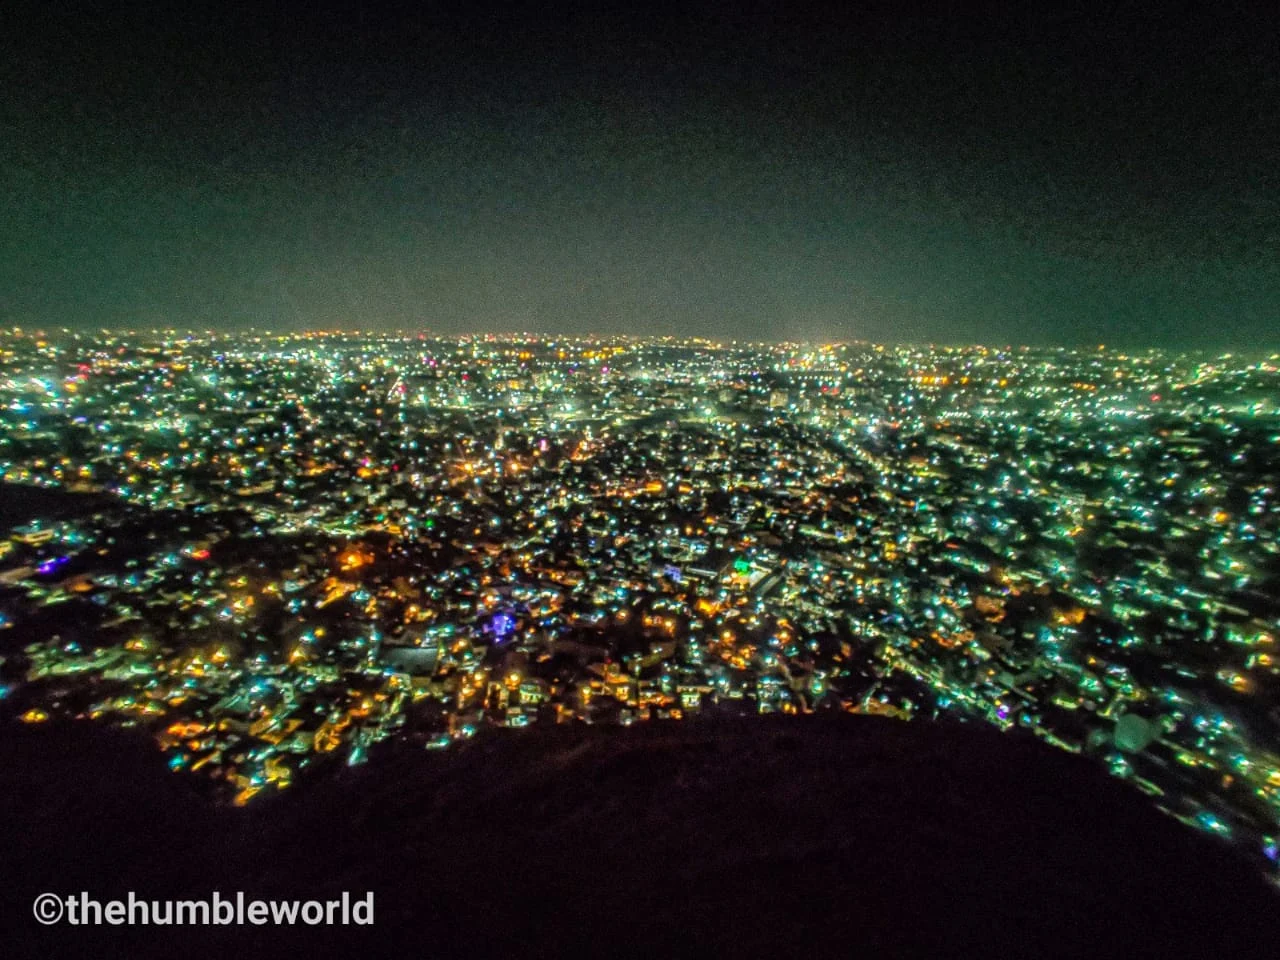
(270, 552)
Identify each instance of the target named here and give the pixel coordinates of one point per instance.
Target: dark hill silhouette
(21, 503)
(845, 836)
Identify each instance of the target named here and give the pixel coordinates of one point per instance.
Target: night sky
(732, 170)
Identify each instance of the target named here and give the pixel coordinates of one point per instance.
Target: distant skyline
(770, 172)
(144, 335)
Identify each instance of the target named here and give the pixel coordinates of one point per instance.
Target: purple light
(501, 625)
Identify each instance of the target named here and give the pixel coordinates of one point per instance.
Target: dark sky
(747, 169)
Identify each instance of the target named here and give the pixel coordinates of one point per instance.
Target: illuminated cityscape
(269, 552)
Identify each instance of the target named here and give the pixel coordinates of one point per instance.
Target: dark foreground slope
(793, 837)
